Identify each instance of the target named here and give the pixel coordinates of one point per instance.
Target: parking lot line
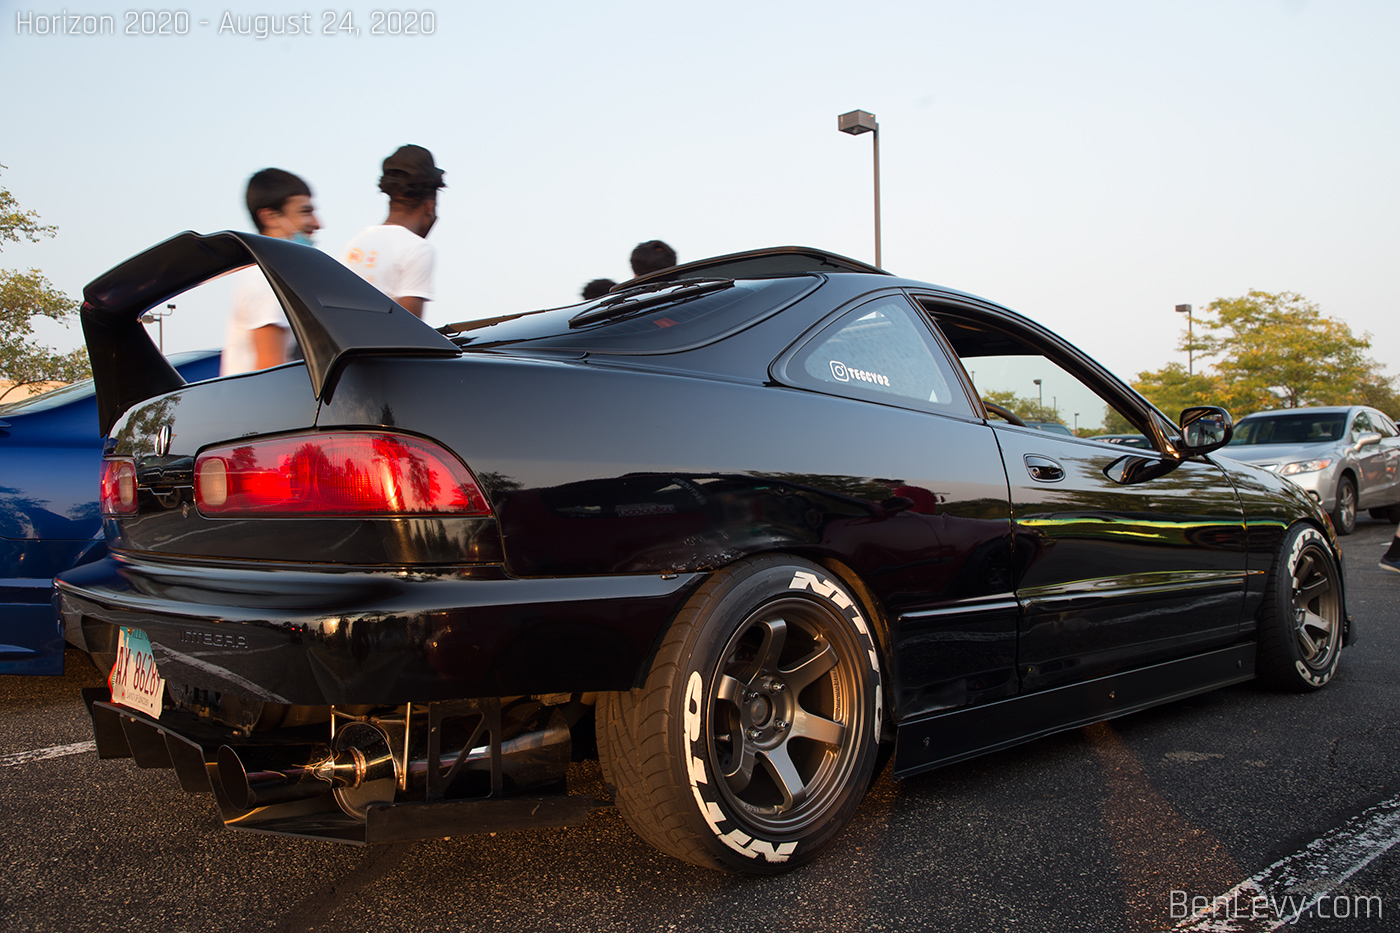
(1292, 886)
(39, 754)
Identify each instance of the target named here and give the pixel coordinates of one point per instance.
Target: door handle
(1043, 469)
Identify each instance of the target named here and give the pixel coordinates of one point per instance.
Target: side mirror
(1367, 439)
(1205, 428)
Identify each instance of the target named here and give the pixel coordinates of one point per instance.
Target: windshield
(1303, 428)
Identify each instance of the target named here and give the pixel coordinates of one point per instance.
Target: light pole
(1076, 424)
(158, 318)
(855, 123)
(1190, 337)
(1040, 392)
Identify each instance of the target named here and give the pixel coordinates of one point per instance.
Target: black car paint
(987, 585)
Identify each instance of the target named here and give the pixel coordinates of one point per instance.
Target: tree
(1113, 423)
(1272, 351)
(1027, 409)
(1172, 389)
(25, 296)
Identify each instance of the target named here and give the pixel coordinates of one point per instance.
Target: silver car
(1346, 457)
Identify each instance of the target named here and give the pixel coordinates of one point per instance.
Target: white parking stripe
(1292, 886)
(39, 754)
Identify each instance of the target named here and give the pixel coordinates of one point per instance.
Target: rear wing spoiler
(333, 313)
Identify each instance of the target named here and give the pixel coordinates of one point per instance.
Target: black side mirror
(1205, 428)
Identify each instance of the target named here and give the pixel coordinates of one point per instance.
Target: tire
(1300, 622)
(1388, 513)
(1344, 515)
(756, 733)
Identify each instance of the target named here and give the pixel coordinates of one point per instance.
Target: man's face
(298, 215)
(431, 214)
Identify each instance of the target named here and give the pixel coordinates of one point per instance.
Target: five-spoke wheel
(783, 699)
(1300, 628)
(756, 733)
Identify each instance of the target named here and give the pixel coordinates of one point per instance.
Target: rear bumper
(328, 636)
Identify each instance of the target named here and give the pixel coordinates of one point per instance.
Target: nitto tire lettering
(714, 817)
(802, 580)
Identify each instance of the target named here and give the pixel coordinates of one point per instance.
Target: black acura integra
(745, 523)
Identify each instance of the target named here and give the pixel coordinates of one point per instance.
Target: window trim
(1160, 430)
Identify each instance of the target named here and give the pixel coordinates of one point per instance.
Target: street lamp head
(857, 122)
(1183, 309)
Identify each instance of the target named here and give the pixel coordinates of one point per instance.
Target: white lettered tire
(1300, 621)
(756, 733)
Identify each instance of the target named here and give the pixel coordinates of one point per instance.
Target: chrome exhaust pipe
(360, 768)
(359, 763)
(280, 773)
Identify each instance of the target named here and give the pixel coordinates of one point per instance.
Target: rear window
(678, 319)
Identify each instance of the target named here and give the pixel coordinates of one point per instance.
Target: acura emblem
(163, 440)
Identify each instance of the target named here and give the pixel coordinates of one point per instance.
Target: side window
(1362, 425)
(1384, 425)
(882, 351)
(1016, 374)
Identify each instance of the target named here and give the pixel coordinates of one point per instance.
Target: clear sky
(1089, 164)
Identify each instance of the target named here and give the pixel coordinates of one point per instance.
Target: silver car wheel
(1344, 515)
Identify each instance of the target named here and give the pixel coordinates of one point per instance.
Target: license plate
(135, 682)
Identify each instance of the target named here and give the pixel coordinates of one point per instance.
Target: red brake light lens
(118, 487)
(337, 475)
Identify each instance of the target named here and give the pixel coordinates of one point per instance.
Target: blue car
(50, 452)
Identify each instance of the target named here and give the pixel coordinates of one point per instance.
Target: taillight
(118, 487)
(336, 474)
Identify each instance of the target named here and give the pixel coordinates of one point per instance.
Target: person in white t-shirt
(393, 256)
(258, 335)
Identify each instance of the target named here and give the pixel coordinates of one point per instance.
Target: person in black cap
(393, 256)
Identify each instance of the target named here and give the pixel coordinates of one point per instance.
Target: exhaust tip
(234, 778)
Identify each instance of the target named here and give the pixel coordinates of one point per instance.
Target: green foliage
(1027, 409)
(1271, 351)
(25, 296)
(1171, 389)
(1113, 423)
(17, 223)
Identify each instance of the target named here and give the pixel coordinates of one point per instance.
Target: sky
(1088, 164)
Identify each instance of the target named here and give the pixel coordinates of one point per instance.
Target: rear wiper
(625, 303)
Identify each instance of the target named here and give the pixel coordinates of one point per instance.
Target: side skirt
(965, 733)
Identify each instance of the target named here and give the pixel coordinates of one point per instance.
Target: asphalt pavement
(1121, 826)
